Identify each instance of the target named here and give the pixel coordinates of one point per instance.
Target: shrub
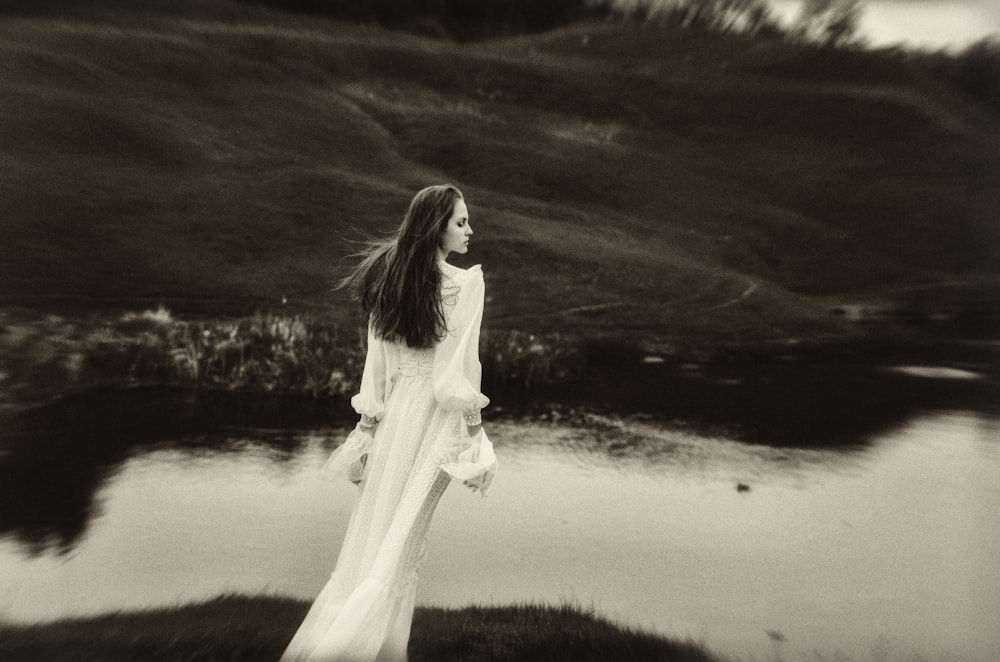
(312, 356)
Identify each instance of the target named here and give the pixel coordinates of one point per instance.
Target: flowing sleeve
(349, 459)
(475, 464)
(457, 373)
(370, 399)
(457, 379)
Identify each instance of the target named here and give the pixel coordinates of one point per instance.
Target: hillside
(644, 184)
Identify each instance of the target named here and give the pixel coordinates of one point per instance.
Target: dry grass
(45, 356)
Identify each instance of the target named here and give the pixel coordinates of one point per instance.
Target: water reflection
(55, 459)
(817, 405)
(49, 503)
(885, 547)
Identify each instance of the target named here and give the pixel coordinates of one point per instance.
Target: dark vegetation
(265, 353)
(668, 184)
(259, 628)
(976, 71)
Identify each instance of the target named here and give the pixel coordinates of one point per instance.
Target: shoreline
(239, 627)
(828, 398)
(292, 372)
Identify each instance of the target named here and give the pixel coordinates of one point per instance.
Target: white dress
(419, 396)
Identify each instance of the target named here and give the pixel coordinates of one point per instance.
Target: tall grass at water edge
(48, 356)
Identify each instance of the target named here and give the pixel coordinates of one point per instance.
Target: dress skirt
(418, 396)
(365, 610)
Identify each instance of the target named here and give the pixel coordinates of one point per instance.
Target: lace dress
(419, 396)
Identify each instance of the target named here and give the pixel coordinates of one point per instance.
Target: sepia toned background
(740, 336)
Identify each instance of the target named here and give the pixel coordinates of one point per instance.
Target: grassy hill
(670, 187)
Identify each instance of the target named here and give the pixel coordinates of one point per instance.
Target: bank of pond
(874, 542)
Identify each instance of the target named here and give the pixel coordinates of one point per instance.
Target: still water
(882, 551)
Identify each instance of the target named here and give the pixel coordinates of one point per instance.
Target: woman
(420, 426)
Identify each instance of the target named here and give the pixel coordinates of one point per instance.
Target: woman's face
(455, 236)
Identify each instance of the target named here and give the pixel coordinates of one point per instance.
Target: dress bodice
(414, 362)
(452, 364)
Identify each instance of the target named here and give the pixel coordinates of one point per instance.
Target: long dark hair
(398, 282)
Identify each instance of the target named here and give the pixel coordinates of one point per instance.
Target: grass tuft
(536, 632)
(236, 627)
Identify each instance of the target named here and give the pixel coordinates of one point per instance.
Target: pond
(882, 550)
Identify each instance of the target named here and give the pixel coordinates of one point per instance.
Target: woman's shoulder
(460, 275)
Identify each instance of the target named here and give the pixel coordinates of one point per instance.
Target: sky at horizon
(931, 24)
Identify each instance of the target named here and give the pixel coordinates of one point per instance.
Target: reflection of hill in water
(788, 404)
(56, 458)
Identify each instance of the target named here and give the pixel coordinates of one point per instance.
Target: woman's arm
(370, 400)
(349, 459)
(457, 375)
(473, 421)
